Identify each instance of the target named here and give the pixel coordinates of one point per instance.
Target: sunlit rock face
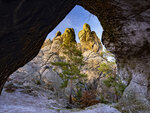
(68, 37)
(56, 43)
(89, 40)
(126, 26)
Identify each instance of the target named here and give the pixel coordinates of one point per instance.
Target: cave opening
(45, 75)
(25, 24)
(75, 19)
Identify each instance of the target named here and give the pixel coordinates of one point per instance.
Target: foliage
(71, 67)
(112, 80)
(88, 98)
(103, 100)
(107, 68)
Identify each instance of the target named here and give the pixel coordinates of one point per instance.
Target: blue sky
(75, 19)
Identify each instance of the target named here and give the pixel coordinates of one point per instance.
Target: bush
(116, 83)
(88, 98)
(109, 70)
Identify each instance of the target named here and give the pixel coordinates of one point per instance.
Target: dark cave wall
(24, 25)
(126, 26)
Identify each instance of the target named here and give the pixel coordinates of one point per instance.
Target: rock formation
(68, 36)
(57, 41)
(126, 33)
(24, 27)
(52, 51)
(47, 43)
(126, 24)
(89, 40)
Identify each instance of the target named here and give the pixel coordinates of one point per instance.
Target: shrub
(113, 80)
(88, 98)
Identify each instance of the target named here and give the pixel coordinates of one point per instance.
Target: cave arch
(25, 24)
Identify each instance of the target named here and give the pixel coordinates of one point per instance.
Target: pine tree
(71, 67)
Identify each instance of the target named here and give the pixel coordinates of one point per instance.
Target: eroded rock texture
(24, 25)
(89, 40)
(126, 33)
(126, 23)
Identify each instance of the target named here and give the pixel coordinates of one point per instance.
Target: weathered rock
(126, 25)
(102, 108)
(95, 77)
(126, 33)
(47, 43)
(38, 72)
(24, 27)
(89, 40)
(57, 42)
(68, 36)
(92, 63)
(52, 79)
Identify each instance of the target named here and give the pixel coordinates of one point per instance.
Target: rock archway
(25, 24)
(126, 33)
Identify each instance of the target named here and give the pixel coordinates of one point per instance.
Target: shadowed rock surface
(126, 33)
(25, 24)
(24, 27)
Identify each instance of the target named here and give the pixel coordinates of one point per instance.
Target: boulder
(99, 108)
(51, 79)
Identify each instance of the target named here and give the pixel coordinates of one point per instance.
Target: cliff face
(126, 33)
(41, 71)
(89, 40)
(126, 24)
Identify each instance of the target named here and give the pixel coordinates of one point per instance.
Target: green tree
(109, 70)
(71, 67)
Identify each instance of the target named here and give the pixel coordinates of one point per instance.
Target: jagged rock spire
(89, 40)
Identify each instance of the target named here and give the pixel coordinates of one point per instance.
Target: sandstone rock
(89, 40)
